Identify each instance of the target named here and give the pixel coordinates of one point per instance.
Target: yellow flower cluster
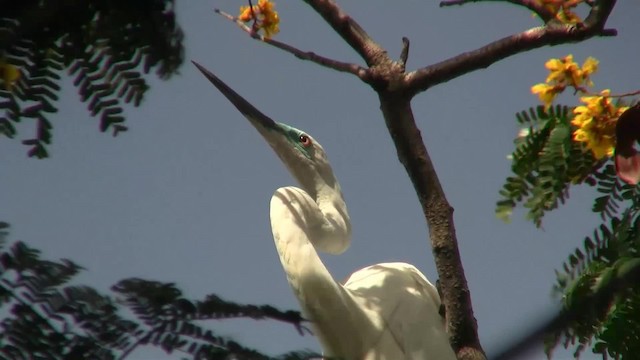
(265, 16)
(562, 73)
(562, 9)
(596, 123)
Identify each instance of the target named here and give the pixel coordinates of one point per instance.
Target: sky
(183, 196)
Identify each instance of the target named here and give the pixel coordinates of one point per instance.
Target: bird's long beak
(258, 119)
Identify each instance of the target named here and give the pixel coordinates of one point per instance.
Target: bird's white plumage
(405, 305)
(386, 311)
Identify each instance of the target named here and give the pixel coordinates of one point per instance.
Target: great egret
(386, 311)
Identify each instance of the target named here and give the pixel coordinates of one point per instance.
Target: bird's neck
(297, 231)
(332, 233)
(326, 219)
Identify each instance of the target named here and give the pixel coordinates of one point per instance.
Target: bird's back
(404, 309)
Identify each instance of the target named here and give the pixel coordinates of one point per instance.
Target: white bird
(387, 311)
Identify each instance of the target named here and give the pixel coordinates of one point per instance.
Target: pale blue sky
(183, 196)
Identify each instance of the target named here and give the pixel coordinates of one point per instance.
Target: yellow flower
(562, 9)
(265, 16)
(596, 123)
(556, 69)
(546, 93)
(566, 71)
(246, 14)
(589, 67)
(271, 21)
(266, 6)
(9, 74)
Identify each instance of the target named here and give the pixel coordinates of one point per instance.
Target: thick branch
(533, 5)
(354, 69)
(350, 31)
(552, 34)
(395, 89)
(387, 79)
(439, 214)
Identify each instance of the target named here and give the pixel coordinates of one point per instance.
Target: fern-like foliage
(599, 283)
(173, 321)
(106, 45)
(546, 161)
(614, 192)
(48, 319)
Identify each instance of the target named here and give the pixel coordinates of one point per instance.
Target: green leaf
(545, 163)
(109, 48)
(45, 318)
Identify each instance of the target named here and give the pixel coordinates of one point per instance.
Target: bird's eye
(305, 140)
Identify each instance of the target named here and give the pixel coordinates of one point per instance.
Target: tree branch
(354, 69)
(533, 5)
(388, 79)
(350, 31)
(413, 155)
(551, 34)
(396, 88)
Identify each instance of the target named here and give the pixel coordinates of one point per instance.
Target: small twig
(240, 24)
(254, 26)
(533, 5)
(253, 14)
(354, 35)
(404, 54)
(354, 69)
(631, 93)
(584, 91)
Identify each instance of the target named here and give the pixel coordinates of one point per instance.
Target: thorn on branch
(404, 54)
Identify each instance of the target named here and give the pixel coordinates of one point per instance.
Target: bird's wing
(405, 309)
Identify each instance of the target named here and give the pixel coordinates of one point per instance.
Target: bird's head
(302, 155)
